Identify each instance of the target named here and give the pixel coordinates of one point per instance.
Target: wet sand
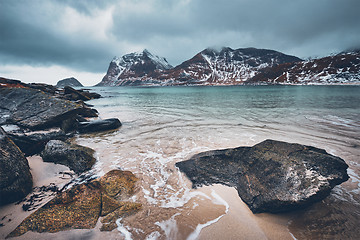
(241, 223)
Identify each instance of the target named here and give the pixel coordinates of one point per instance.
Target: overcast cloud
(44, 41)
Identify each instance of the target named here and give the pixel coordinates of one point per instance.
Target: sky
(49, 40)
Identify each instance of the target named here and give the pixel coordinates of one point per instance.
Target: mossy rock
(126, 209)
(108, 205)
(78, 207)
(81, 206)
(119, 184)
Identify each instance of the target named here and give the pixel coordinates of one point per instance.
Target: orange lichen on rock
(119, 184)
(82, 205)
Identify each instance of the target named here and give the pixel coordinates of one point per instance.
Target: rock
(34, 109)
(81, 94)
(99, 125)
(11, 83)
(125, 209)
(52, 90)
(70, 125)
(31, 144)
(88, 112)
(119, 184)
(74, 94)
(82, 205)
(15, 177)
(91, 95)
(71, 82)
(271, 176)
(76, 157)
(109, 205)
(78, 207)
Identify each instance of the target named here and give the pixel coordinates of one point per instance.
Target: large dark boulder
(34, 109)
(271, 176)
(81, 206)
(99, 125)
(76, 157)
(15, 177)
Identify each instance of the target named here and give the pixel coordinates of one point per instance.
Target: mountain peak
(146, 52)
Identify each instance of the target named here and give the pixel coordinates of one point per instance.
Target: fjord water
(165, 125)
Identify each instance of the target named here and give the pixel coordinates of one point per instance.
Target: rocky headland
(70, 82)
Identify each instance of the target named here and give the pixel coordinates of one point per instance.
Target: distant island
(229, 66)
(70, 82)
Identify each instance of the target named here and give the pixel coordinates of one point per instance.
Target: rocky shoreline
(40, 119)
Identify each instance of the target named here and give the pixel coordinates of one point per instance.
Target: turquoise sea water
(164, 125)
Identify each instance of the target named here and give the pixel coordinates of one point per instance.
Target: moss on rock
(81, 206)
(119, 184)
(125, 209)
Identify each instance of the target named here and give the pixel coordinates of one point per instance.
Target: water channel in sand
(162, 126)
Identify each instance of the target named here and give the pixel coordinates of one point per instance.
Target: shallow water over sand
(162, 126)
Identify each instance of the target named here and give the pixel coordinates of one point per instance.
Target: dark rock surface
(99, 125)
(34, 109)
(50, 89)
(82, 205)
(15, 177)
(271, 176)
(75, 94)
(78, 94)
(31, 144)
(76, 157)
(71, 82)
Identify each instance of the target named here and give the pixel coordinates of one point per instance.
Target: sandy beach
(241, 223)
(218, 213)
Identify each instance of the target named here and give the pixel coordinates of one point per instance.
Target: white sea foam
(216, 200)
(169, 227)
(121, 228)
(153, 236)
(219, 200)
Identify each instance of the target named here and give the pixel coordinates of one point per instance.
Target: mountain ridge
(227, 66)
(341, 68)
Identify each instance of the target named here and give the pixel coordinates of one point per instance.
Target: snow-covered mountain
(343, 68)
(232, 67)
(209, 67)
(224, 67)
(134, 69)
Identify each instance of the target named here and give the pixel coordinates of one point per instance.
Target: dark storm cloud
(31, 35)
(38, 33)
